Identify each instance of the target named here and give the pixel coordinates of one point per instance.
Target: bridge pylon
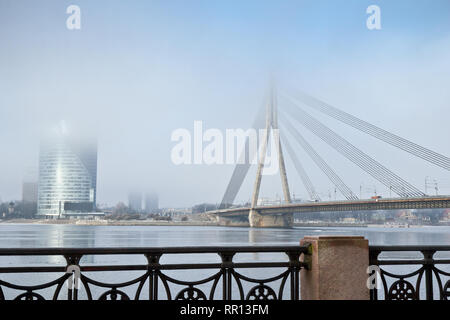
(271, 122)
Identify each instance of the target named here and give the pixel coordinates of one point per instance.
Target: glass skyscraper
(67, 175)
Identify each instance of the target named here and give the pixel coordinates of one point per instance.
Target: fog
(138, 70)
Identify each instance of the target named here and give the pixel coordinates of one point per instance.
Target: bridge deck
(356, 205)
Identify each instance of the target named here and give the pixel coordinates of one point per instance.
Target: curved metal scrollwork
(446, 291)
(29, 296)
(417, 285)
(261, 292)
(30, 291)
(191, 294)
(114, 295)
(402, 290)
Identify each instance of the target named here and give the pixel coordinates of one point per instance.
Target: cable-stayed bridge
(295, 116)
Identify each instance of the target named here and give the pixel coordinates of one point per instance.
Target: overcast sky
(138, 70)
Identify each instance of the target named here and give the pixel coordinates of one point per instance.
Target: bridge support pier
(257, 220)
(254, 218)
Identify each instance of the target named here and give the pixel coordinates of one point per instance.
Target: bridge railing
(74, 274)
(411, 272)
(208, 273)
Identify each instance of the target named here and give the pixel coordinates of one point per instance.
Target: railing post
(227, 265)
(428, 266)
(153, 267)
(338, 268)
(294, 266)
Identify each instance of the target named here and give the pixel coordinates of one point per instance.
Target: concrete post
(338, 268)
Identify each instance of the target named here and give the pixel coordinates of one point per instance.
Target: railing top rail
(411, 248)
(150, 250)
(198, 249)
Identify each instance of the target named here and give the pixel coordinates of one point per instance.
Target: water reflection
(26, 235)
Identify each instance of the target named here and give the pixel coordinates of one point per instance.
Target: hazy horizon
(138, 70)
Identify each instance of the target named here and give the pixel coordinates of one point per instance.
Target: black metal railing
(152, 280)
(421, 274)
(404, 273)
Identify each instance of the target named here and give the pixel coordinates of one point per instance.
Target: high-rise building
(151, 202)
(29, 191)
(135, 201)
(67, 175)
(30, 186)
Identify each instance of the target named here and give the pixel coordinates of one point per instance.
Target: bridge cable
(370, 129)
(365, 162)
(319, 161)
(300, 170)
(388, 179)
(241, 169)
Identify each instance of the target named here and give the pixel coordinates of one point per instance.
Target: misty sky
(138, 70)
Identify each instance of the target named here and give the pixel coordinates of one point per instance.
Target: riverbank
(198, 223)
(329, 224)
(110, 222)
(194, 223)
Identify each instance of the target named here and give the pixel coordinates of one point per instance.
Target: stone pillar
(338, 268)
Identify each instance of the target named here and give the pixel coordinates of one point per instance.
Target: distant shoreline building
(30, 186)
(67, 175)
(135, 201)
(151, 202)
(147, 204)
(29, 191)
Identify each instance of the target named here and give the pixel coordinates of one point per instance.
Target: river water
(34, 235)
